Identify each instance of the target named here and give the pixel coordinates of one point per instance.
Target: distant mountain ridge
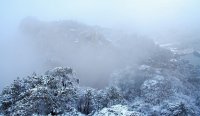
(93, 51)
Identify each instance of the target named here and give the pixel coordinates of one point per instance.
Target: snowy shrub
(174, 108)
(156, 90)
(129, 82)
(117, 110)
(108, 97)
(86, 102)
(114, 96)
(101, 99)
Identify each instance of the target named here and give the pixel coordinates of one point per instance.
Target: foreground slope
(164, 85)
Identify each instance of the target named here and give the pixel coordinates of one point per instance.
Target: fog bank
(124, 27)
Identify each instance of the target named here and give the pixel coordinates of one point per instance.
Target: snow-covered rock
(117, 110)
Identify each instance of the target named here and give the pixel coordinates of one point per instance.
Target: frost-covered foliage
(52, 93)
(86, 103)
(163, 85)
(156, 89)
(91, 100)
(56, 92)
(117, 110)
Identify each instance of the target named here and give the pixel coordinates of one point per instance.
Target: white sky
(140, 13)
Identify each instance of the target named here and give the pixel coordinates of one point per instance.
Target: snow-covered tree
(52, 93)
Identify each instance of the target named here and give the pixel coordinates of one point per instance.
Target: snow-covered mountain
(94, 52)
(134, 76)
(163, 85)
